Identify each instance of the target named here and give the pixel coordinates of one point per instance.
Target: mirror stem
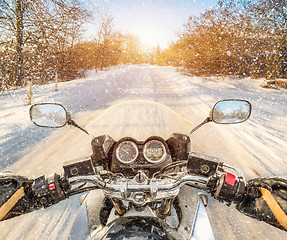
(207, 120)
(73, 123)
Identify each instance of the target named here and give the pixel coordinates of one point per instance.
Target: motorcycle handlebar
(225, 187)
(47, 191)
(222, 185)
(154, 184)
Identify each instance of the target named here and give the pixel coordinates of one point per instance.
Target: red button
(230, 178)
(52, 186)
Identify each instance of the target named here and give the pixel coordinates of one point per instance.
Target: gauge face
(154, 151)
(127, 152)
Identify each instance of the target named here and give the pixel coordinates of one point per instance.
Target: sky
(155, 22)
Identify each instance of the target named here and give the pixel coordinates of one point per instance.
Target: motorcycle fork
(164, 209)
(119, 207)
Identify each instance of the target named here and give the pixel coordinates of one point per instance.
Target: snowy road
(258, 147)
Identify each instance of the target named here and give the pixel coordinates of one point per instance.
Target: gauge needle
(125, 151)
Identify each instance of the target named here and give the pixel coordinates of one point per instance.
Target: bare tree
(38, 34)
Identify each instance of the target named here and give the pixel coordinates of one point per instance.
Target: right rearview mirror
(231, 111)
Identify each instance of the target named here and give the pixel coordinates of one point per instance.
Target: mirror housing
(230, 111)
(52, 115)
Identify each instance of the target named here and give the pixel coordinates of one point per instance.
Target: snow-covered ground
(258, 147)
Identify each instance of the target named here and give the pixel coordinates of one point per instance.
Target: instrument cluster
(130, 153)
(129, 156)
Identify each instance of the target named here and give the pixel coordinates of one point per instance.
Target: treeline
(238, 37)
(39, 38)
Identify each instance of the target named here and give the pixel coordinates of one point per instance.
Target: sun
(152, 25)
(150, 38)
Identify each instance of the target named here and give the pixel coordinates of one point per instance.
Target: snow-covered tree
(241, 37)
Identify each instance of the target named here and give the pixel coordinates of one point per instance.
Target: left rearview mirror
(51, 115)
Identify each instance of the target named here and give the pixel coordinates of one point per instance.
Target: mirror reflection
(48, 115)
(231, 111)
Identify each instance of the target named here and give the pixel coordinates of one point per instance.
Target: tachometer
(154, 151)
(127, 152)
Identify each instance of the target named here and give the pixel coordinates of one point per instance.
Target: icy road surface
(258, 147)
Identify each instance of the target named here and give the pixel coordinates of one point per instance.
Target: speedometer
(154, 151)
(127, 152)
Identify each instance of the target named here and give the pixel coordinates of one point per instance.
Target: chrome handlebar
(122, 185)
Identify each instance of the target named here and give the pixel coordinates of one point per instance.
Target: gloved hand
(16, 197)
(19, 195)
(266, 200)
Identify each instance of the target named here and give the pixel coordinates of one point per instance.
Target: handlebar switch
(229, 188)
(230, 179)
(48, 190)
(40, 187)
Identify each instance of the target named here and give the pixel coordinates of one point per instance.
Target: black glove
(256, 205)
(20, 188)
